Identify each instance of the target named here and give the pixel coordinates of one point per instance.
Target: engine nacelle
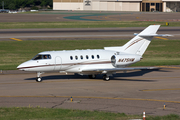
(124, 60)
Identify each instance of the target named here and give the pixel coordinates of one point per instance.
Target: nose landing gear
(39, 79)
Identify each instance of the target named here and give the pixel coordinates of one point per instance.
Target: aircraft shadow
(116, 76)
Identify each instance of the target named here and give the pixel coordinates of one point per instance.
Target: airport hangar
(118, 5)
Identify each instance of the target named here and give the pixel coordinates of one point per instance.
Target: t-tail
(140, 42)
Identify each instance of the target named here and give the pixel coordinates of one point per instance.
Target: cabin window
(92, 56)
(40, 57)
(98, 56)
(87, 57)
(81, 57)
(76, 57)
(71, 57)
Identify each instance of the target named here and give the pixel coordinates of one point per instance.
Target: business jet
(90, 62)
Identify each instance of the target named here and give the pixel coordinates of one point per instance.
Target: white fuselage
(78, 60)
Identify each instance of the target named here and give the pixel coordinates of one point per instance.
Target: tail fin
(139, 43)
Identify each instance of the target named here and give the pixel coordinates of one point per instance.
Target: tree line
(33, 4)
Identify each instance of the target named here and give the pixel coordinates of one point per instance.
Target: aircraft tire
(106, 78)
(38, 79)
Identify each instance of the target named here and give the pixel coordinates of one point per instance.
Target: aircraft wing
(118, 69)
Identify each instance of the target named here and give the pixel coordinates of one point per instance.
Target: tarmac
(82, 33)
(56, 16)
(132, 92)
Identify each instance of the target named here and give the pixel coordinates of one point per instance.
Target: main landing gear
(105, 77)
(39, 79)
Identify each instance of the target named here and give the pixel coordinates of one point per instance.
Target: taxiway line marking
(16, 39)
(160, 89)
(161, 38)
(137, 99)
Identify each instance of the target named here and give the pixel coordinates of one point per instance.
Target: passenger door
(58, 63)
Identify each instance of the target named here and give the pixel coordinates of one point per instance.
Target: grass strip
(82, 24)
(38, 113)
(160, 52)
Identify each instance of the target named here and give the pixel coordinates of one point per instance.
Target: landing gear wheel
(38, 79)
(92, 76)
(106, 78)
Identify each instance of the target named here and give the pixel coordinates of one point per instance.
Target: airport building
(118, 5)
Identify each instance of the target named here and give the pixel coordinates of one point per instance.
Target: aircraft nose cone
(23, 67)
(20, 67)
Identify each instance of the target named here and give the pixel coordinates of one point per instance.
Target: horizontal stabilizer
(155, 35)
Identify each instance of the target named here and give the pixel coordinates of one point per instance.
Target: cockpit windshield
(40, 57)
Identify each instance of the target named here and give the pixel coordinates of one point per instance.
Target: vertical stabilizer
(140, 42)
